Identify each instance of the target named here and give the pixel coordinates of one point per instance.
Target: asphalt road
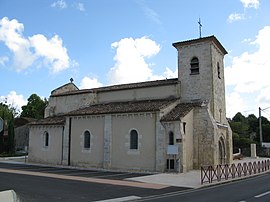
(41, 189)
(254, 189)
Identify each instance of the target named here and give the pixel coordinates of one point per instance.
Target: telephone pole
(260, 124)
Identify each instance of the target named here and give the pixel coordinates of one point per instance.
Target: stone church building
(165, 125)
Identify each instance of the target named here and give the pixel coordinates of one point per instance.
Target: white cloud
(264, 97)
(61, 4)
(11, 35)
(33, 49)
(14, 100)
(235, 17)
(130, 61)
(51, 50)
(80, 6)
(234, 104)
(149, 13)
(87, 83)
(241, 16)
(246, 40)
(251, 3)
(3, 60)
(249, 72)
(171, 74)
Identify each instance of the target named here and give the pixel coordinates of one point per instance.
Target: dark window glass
(133, 139)
(171, 138)
(184, 127)
(218, 70)
(46, 139)
(170, 164)
(87, 139)
(194, 66)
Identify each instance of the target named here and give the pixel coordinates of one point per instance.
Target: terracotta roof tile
(55, 120)
(203, 39)
(122, 87)
(179, 111)
(123, 107)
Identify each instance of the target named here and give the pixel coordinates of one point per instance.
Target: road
(64, 184)
(44, 183)
(255, 189)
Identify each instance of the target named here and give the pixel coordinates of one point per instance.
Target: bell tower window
(218, 70)
(194, 66)
(171, 138)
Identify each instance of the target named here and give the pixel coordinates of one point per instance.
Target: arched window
(87, 139)
(218, 70)
(171, 138)
(46, 139)
(194, 66)
(133, 139)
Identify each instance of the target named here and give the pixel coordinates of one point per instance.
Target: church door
(221, 151)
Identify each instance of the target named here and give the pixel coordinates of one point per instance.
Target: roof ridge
(121, 87)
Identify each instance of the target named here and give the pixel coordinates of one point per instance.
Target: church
(171, 125)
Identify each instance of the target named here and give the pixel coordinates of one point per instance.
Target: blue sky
(97, 43)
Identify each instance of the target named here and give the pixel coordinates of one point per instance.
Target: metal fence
(217, 173)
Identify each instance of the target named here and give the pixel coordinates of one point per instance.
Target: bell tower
(201, 73)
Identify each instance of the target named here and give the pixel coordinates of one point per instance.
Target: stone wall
(218, 105)
(195, 86)
(21, 137)
(38, 152)
(63, 104)
(204, 144)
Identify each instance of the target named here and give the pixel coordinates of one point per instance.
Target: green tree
(253, 123)
(10, 143)
(6, 113)
(34, 108)
(246, 131)
(266, 132)
(241, 128)
(239, 118)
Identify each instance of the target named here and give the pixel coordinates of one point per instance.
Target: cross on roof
(200, 27)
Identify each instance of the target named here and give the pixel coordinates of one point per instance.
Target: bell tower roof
(203, 39)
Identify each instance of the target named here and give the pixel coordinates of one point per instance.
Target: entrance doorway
(170, 164)
(221, 151)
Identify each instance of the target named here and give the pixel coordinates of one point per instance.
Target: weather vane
(200, 27)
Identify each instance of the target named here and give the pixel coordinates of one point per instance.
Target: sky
(44, 43)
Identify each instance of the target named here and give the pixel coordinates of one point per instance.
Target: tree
(6, 113)
(34, 108)
(239, 118)
(10, 143)
(246, 130)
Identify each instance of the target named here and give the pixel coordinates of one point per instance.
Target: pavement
(8, 196)
(191, 179)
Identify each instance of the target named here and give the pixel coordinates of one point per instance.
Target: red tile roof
(54, 120)
(203, 39)
(122, 87)
(124, 107)
(180, 111)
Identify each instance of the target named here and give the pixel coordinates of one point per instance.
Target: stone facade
(21, 133)
(166, 125)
